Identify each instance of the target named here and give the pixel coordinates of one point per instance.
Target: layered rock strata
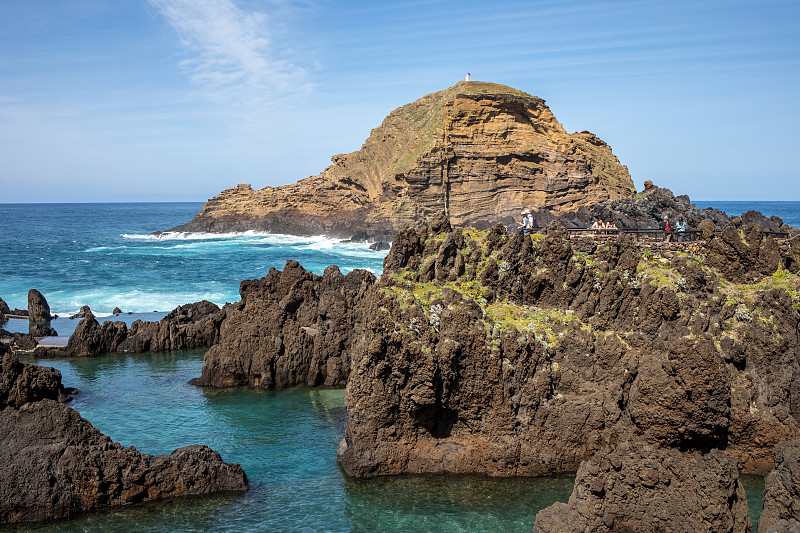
(500, 354)
(646, 489)
(781, 510)
(291, 327)
(55, 464)
(479, 151)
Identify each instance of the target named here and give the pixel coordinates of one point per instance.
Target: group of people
(599, 224)
(676, 232)
(527, 224)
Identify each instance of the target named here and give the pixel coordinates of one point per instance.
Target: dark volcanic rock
(85, 312)
(190, 326)
(55, 464)
(642, 210)
(781, 511)
(380, 246)
(4, 310)
(645, 489)
(23, 383)
(508, 355)
(291, 327)
(39, 330)
(116, 311)
(38, 309)
(746, 254)
(91, 338)
(193, 313)
(22, 342)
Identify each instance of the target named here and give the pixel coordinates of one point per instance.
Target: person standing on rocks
(527, 222)
(680, 228)
(666, 228)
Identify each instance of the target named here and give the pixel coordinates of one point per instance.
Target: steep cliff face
(479, 151)
(505, 355)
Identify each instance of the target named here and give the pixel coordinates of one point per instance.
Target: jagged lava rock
(510, 355)
(646, 489)
(85, 312)
(190, 326)
(479, 151)
(781, 510)
(291, 327)
(55, 464)
(38, 309)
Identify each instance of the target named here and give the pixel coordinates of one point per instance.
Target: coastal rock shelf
(55, 464)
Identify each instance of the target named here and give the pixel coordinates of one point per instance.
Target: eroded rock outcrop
(781, 510)
(645, 489)
(55, 464)
(4, 310)
(190, 326)
(506, 355)
(291, 327)
(479, 151)
(38, 308)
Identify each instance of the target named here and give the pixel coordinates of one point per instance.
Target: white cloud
(230, 52)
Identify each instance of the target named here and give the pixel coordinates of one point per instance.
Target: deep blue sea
(103, 255)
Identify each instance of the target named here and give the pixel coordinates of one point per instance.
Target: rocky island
(478, 151)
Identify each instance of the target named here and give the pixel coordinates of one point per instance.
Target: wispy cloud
(230, 53)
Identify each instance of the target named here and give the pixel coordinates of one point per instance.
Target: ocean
(104, 256)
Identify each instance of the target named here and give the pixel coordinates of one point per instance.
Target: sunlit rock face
(479, 151)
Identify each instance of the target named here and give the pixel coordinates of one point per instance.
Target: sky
(176, 100)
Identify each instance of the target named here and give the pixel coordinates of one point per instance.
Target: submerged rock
(55, 464)
(635, 488)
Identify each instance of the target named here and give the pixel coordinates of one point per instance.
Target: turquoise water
(103, 255)
(286, 441)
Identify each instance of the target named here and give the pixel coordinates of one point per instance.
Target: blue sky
(138, 100)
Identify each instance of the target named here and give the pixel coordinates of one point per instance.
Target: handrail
(656, 231)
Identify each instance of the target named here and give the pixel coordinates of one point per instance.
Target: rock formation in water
(781, 511)
(479, 151)
(4, 310)
(499, 354)
(646, 489)
(38, 309)
(55, 464)
(189, 326)
(291, 327)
